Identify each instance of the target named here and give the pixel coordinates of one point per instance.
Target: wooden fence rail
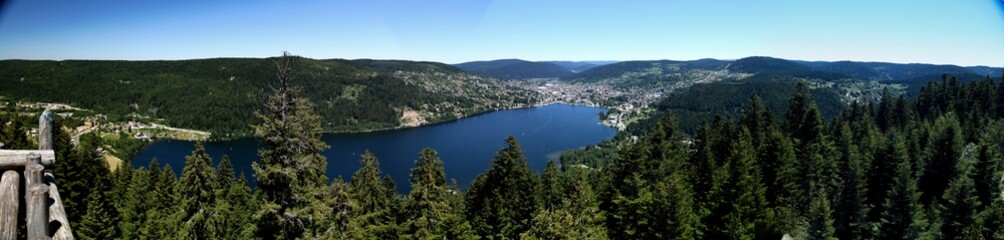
(44, 216)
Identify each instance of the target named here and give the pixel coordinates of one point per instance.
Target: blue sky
(964, 32)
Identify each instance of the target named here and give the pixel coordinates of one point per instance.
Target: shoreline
(401, 127)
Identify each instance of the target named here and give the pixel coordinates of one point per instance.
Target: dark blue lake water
(466, 145)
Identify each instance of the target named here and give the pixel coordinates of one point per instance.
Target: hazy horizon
(966, 33)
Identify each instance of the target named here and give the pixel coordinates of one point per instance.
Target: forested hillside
(221, 95)
(515, 69)
(896, 168)
(693, 105)
(669, 73)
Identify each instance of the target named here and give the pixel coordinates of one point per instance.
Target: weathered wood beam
(45, 124)
(57, 214)
(59, 226)
(9, 189)
(15, 159)
(36, 197)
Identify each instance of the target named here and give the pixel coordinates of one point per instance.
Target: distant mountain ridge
(522, 69)
(633, 73)
(579, 66)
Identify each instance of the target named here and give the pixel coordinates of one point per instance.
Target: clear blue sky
(964, 32)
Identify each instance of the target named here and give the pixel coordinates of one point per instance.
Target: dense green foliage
(928, 168)
(647, 72)
(644, 72)
(692, 106)
(515, 69)
(221, 95)
(291, 171)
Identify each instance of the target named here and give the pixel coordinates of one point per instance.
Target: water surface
(466, 145)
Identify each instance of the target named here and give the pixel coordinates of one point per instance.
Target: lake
(466, 146)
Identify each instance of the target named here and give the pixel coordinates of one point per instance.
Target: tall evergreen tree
(375, 213)
(851, 221)
(820, 220)
(642, 202)
(885, 115)
(428, 210)
(1000, 98)
(993, 218)
(751, 217)
(338, 225)
(550, 185)
(226, 173)
(15, 134)
(234, 206)
(291, 173)
(501, 202)
(902, 114)
(134, 205)
(961, 204)
(945, 150)
(903, 215)
(803, 120)
(989, 165)
(198, 193)
(163, 215)
(758, 118)
(578, 215)
(780, 168)
(101, 218)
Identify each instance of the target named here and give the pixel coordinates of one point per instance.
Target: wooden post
(9, 184)
(36, 196)
(57, 216)
(45, 125)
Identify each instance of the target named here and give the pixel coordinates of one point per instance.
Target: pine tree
(501, 202)
(580, 200)
(993, 218)
(133, 204)
(291, 174)
(750, 216)
(884, 171)
(944, 154)
(902, 114)
(428, 206)
(233, 207)
(820, 220)
(550, 184)
(903, 215)
(661, 210)
(226, 174)
(163, 215)
(15, 134)
(851, 221)
(884, 117)
(802, 120)
(780, 167)
(342, 206)
(374, 215)
(101, 218)
(649, 195)
(961, 204)
(77, 174)
(758, 118)
(198, 193)
(1000, 98)
(72, 175)
(989, 166)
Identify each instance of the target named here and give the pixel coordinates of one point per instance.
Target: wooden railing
(43, 210)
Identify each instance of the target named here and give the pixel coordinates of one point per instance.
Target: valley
(372, 95)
